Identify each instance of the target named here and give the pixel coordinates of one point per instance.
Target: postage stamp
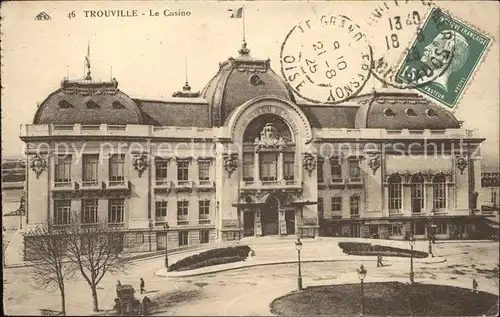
(448, 47)
(391, 27)
(326, 60)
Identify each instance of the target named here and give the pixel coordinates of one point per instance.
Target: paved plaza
(250, 290)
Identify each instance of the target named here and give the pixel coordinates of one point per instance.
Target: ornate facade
(246, 157)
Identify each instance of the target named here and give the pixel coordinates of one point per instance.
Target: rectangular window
(62, 177)
(289, 166)
(354, 169)
(441, 227)
(161, 170)
(183, 238)
(320, 171)
(268, 166)
(116, 211)
(354, 205)
(320, 207)
(182, 170)
(417, 197)
(182, 212)
(397, 230)
(336, 204)
(335, 169)
(90, 170)
(117, 170)
(248, 166)
(439, 191)
(160, 211)
(204, 206)
(395, 197)
(419, 227)
(204, 236)
(89, 210)
(62, 212)
(204, 170)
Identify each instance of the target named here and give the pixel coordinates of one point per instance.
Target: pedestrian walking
(379, 261)
(475, 286)
(118, 283)
(142, 285)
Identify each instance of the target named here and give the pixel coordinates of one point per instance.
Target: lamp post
(298, 246)
(412, 274)
(165, 226)
(361, 276)
(430, 232)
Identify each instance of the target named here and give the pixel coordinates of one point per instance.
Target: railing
(204, 219)
(63, 127)
(90, 183)
(395, 213)
(116, 224)
(117, 183)
(64, 184)
(91, 127)
(205, 182)
(182, 220)
(117, 128)
(162, 182)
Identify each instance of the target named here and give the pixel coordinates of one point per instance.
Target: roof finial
(87, 60)
(186, 85)
(244, 50)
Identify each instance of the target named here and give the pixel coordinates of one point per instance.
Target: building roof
(179, 112)
(241, 79)
(398, 110)
(88, 102)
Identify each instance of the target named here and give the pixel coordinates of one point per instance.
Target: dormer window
(255, 80)
(117, 105)
(410, 112)
(92, 105)
(430, 113)
(388, 112)
(64, 104)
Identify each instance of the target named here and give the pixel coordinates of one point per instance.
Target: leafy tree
(45, 246)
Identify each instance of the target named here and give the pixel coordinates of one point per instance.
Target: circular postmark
(326, 60)
(402, 34)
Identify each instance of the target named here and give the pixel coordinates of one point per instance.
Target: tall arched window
(417, 193)
(439, 192)
(395, 193)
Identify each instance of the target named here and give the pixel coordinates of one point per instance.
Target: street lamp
(430, 232)
(165, 226)
(412, 274)
(298, 246)
(361, 276)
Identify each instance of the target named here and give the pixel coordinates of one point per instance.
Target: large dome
(396, 110)
(241, 79)
(88, 102)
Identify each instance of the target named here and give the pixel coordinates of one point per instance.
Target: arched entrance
(269, 216)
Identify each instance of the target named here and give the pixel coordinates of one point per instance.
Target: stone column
(256, 168)
(282, 222)
(257, 224)
(280, 167)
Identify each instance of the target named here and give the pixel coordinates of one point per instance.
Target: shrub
(214, 261)
(228, 252)
(362, 248)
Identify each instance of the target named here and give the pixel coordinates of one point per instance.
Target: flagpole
(243, 17)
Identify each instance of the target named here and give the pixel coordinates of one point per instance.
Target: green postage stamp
(443, 58)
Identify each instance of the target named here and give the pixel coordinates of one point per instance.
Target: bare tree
(45, 246)
(96, 250)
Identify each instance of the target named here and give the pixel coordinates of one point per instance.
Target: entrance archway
(269, 216)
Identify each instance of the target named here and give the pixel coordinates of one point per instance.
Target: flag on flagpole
(236, 13)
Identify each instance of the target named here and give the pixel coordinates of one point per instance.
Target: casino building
(245, 157)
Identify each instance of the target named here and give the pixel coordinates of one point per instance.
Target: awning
(492, 223)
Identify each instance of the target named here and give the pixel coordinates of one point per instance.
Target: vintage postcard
(250, 158)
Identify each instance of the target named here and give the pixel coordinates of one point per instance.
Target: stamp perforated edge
(470, 79)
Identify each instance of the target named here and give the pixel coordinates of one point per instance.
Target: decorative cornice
(38, 164)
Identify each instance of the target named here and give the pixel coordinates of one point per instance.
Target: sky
(147, 52)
